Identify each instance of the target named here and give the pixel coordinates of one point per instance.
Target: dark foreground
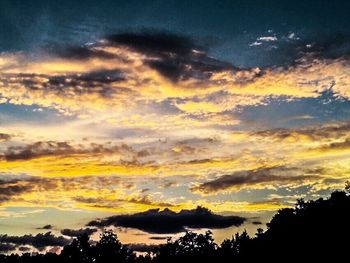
(313, 230)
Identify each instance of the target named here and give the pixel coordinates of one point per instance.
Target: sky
(156, 117)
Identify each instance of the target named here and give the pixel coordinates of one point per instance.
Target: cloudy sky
(153, 117)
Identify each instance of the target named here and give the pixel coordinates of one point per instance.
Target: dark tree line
(314, 230)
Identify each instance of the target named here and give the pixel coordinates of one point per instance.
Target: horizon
(152, 118)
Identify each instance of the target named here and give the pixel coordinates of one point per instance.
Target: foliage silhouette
(312, 230)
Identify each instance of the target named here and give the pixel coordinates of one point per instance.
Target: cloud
(179, 110)
(279, 175)
(166, 221)
(83, 52)
(341, 145)
(88, 192)
(46, 227)
(259, 41)
(53, 158)
(173, 56)
(39, 241)
(130, 70)
(159, 237)
(331, 46)
(24, 249)
(5, 247)
(11, 188)
(101, 202)
(78, 232)
(319, 133)
(328, 149)
(146, 200)
(36, 150)
(268, 38)
(39, 191)
(53, 148)
(4, 137)
(87, 72)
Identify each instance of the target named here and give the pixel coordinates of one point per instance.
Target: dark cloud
(167, 221)
(39, 241)
(78, 52)
(330, 46)
(168, 183)
(336, 145)
(146, 200)
(314, 133)
(94, 81)
(155, 43)
(174, 56)
(4, 137)
(24, 249)
(12, 188)
(56, 148)
(290, 51)
(78, 232)
(37, 149)
(88, 200)
(70, 85)
(5, 247)
(100, 202)
(46, 227)
(159, 238)
(102, 76)
(238, 180)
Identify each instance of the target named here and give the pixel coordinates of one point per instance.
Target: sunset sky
(111, 108)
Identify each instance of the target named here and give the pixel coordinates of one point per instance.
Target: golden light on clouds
(126, 128)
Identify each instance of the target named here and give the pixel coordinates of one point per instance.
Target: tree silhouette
(110, 249)
(79, 251)
(235, 247)
(347, 186)
(312, 231)
(191, 246)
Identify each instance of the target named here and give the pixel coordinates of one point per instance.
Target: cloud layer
(149, 67)
(39, 241)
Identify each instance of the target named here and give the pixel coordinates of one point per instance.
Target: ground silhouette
(316, 230)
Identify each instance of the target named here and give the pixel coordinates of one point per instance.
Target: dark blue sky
(229, 26)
